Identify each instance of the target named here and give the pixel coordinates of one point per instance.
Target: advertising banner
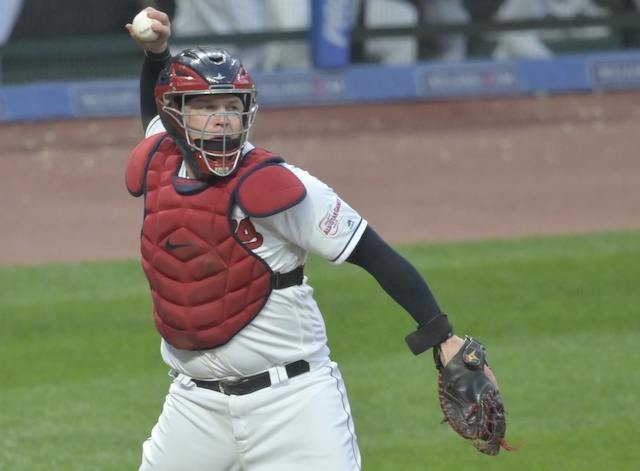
(331, 23)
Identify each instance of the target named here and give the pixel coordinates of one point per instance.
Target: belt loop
(278, 374)
(184, 380)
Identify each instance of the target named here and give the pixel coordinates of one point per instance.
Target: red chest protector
(206, 284)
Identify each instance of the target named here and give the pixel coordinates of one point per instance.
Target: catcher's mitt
(469, 400)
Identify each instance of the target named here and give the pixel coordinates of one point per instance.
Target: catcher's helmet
(206, 71)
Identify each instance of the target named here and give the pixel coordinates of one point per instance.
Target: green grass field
(82, 382)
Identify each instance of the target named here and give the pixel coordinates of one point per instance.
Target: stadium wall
(354, 84)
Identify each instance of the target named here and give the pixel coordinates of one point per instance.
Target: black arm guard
(428, 335)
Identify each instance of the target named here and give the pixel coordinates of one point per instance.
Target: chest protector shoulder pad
(206, 285)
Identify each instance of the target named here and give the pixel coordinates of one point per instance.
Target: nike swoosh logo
(171, 246)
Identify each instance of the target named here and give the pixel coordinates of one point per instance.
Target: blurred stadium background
(73, 58)
(462, 81)
(513, 118)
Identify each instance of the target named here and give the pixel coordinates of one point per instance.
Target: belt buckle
(224, 383)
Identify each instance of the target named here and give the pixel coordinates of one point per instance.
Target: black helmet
(205, 71)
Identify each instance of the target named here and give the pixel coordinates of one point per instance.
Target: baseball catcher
(226, 232)
(470, 399)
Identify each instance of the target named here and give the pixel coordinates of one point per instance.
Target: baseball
(142, 27)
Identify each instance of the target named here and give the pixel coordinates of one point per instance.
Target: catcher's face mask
(216, 128)
(207, 103)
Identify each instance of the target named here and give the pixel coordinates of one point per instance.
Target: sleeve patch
(270, 190)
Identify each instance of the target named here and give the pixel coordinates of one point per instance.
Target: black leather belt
(249, 384)
(284, 280)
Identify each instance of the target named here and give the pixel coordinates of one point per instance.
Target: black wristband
(428, 335)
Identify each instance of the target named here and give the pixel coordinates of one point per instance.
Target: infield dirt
(425, 171)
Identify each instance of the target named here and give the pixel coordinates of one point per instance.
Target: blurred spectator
(48, 18)
(290, 15)
(448, 47)
(521, 44)
(409, 13)
(203, 17)
(386, 50)
(628, 38)
(452, 47)
(62, 21)
(8, 17)
(566, 9)
(226, 17)
(571, 8)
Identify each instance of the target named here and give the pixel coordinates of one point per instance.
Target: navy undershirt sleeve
(151, 68)
(396, 275)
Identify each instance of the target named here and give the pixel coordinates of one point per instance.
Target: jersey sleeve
(155, 127)
(322, 223)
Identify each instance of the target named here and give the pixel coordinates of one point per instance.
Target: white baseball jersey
(298, 423)
(290, 326)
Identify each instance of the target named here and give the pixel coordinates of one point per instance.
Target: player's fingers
(163, 28)
(161, 16)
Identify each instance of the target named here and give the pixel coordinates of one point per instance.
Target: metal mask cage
(219, 152)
